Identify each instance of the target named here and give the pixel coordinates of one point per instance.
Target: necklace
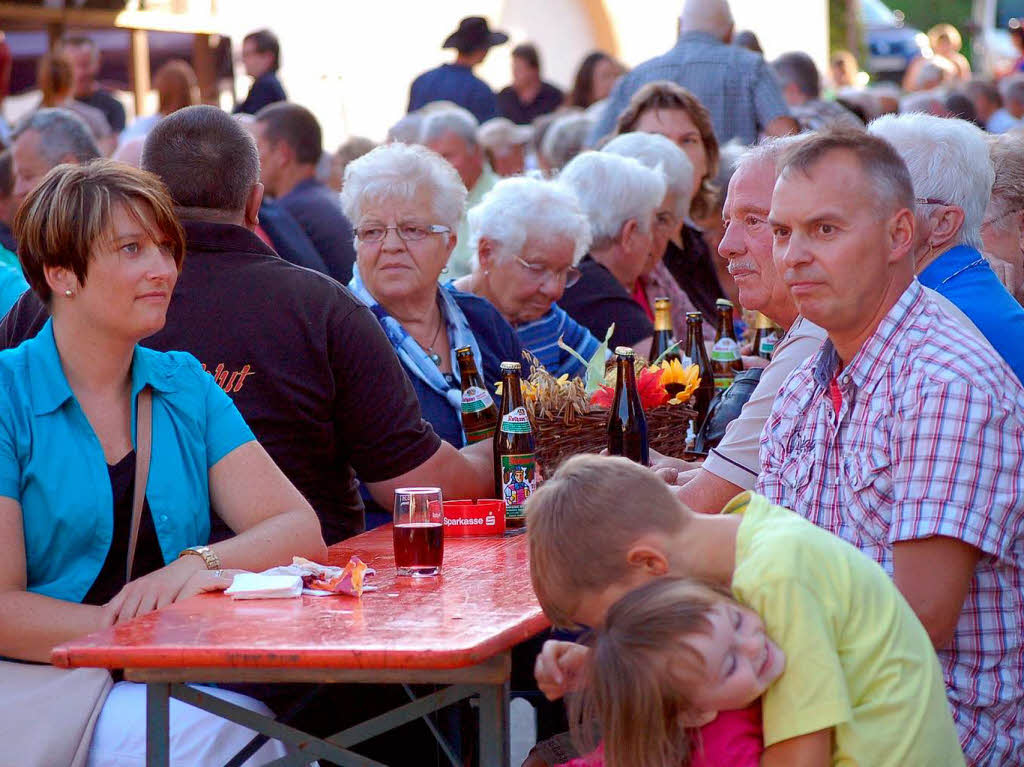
(431, 354)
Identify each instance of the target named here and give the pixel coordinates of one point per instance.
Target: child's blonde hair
(634, 688)
(582, 522)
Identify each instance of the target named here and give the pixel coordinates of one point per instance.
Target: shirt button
(163, 517)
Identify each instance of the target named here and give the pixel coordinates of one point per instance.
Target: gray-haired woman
(528, 235)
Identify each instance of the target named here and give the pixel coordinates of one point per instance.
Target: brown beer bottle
(725, 354)
(627, 424)
(479, 413)
(663, 331)
(515, 459)
(698, 355)
(766, 335)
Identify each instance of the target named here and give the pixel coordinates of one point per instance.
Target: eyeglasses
(539, 273)
(929, 201)
(1000, 217)
(407, 232)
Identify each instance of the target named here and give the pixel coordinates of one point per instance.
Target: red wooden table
(454, 629)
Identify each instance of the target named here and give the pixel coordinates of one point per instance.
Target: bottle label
(516, 422)
(768, 344)
(475, 399)
(479, 435)
(722, 382)
(725, 350)
(518, 481)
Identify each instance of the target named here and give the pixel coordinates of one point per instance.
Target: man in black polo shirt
(307, 365)
(290, 145)
(85, 66)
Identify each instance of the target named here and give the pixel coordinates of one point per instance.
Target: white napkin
(258, 586)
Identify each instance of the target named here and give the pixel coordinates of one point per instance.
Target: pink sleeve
(733, 738)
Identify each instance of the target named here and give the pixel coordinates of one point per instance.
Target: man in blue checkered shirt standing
(736, 85)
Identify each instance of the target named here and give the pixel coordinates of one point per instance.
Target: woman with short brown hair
(100, 245)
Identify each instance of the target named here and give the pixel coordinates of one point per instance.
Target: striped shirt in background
(928, 440)
(540, 338)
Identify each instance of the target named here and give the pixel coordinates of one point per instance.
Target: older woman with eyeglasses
(529, 234)
(405, 203)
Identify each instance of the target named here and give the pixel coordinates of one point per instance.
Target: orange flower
(648, 386)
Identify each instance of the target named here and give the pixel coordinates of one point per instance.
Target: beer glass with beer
(419, 531)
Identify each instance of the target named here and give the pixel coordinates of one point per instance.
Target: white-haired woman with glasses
(405, 203)
(529, 234)
(620, 198)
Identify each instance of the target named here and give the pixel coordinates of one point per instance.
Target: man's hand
(183, 578)
(558, 667)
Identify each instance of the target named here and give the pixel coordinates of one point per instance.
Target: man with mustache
(903, 435)
(733, 466)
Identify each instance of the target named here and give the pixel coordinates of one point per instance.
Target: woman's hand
(185, 577)
(558, 667)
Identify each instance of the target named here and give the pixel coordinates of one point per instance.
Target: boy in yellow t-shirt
(862, 684)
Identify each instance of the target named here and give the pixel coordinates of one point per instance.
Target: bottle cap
(510, 367)
(463, 350)
(662, 301)
(624, 351)
(694, 317)
(724, 302)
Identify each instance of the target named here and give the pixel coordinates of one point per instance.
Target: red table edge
(168, 657)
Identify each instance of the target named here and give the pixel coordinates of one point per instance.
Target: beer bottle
(479, 413)
(725, 354)
(627, 424)
(663, 331)
(766, 335)
(515, 461)
(698, 354)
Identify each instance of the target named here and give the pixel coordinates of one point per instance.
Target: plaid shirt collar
(697, 37)
(876, 353)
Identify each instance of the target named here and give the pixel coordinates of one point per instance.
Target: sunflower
(680, 382)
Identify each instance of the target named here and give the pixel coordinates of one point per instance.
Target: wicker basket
(558, 439)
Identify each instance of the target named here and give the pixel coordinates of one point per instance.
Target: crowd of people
(291, 316)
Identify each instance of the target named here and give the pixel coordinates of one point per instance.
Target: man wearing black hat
(456, 82)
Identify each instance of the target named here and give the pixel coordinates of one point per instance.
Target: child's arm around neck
(811, 750)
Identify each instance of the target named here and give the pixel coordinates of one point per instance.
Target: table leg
(158, 725)
(494, 735)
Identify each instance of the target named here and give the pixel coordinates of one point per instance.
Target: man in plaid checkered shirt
(904, 435)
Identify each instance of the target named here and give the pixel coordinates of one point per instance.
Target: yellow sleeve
(811, 694)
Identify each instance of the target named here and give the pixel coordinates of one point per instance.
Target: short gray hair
(771, 149)
(523, 207)
(661, 154)
(948, 159)
(61, 133)
(922, 102)
(565, 138)
(1007, 154)
(798, 68)
(451, 119)
(399, 172)
(711, 16)
(612, 190)
(406, 130)
(1012, 89)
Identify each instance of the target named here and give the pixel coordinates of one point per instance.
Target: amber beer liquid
(627, 424)
(725, 354)
(663, 331)
(479, 413)
(766, 336)
(515, 458)
(418, 545)
(698, 354)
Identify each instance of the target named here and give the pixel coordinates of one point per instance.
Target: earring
(444, 269)
(69, 292)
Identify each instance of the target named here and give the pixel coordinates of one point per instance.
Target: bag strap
(143, 445)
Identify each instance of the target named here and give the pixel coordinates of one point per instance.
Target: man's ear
(901, 235)
(697, 718)
(647, 559)
(948, 223)
(252, 205)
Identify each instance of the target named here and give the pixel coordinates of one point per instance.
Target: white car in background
(994, 52)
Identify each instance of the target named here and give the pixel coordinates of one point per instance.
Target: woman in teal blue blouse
(101, 246)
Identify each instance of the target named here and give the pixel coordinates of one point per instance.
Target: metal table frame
(488, 681)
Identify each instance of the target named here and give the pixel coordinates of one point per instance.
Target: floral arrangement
(667, 382)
